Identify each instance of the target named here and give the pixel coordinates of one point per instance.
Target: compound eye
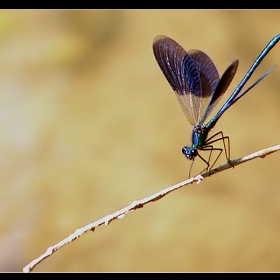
(194, 152)
(186, 151)
(190, 153)
(190, 157)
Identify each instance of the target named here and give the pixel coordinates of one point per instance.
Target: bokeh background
(89, 124)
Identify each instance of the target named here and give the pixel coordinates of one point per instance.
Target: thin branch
(140, 203)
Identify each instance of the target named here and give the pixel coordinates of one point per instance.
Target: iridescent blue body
(199, 136)
(198, 88)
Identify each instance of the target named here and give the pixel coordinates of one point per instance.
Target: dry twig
(140, 203)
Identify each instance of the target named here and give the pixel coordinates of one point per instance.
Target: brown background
(88, 124)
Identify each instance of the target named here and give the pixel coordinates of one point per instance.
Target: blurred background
(89, 124)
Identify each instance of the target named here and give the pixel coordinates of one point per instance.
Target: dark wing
(175, 65)
(221, 88)
(192, 75)
(209, 78)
